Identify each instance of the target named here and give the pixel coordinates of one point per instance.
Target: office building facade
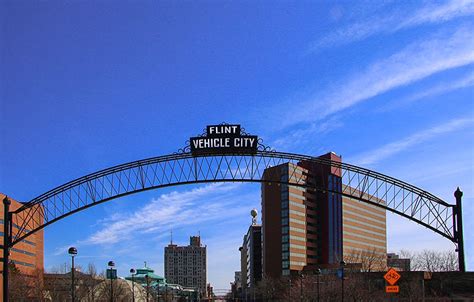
(187, 265)
(28, 254)
(303, 227)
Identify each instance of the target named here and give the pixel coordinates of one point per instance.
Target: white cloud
(392, 148)
(417, 61)
(298, 139)
(173, 209)
(394, 21)
(444, 87)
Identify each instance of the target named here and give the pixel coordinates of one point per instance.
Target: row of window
(15, 226)
(23, 252)
(285, 255)
(23, 263)
(285, 238)
(24, 240)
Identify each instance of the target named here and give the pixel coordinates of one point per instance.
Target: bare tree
(25, 286)
(369, 260)
(434, 261)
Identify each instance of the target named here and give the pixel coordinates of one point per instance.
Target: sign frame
(224, 139)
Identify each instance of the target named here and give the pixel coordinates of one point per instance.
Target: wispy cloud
(444, 87)
(297, 139)
(394, 21)
(392, 148)
(170, 210)
(417, 61)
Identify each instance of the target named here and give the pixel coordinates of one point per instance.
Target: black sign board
(111, 273)
(224, 139)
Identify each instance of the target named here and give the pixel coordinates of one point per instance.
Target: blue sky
(90, 84)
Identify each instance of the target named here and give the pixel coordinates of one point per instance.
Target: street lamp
(289, 291)
(301, 286)
(132, 271)
(318, 274)
(111, 264)
(342, 263)
(73, 252)
(147, 287)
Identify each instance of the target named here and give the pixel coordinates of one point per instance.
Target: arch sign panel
(225, 138)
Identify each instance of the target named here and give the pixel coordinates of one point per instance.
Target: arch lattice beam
(358, 183)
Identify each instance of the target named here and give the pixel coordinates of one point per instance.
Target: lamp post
(73, 252)
(111, 264)
(289, 291)
(132, 272)
(343, 263)
(318, 274)
(301, 286)
(147, 287)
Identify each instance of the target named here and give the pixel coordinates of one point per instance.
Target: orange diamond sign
(392, 276)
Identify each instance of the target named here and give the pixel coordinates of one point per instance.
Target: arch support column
(6, 245)
(458, 235)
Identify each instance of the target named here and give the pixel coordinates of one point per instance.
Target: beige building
(187, 265)
(364, 234)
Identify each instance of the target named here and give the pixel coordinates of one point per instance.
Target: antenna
(171, 237)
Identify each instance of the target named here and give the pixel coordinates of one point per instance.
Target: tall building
(251, 255)
(364, 234)
(28, 254)
(187, 265)
(305, 228)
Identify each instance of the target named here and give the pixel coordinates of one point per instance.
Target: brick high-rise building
(302, 227)
(187, 265)
(28, 254)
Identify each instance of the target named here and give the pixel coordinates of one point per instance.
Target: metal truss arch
(183, 168)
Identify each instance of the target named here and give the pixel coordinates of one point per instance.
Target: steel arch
(184, 168)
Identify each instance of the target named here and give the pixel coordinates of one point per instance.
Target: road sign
(392, 276)
(392, 289)
(111, 273)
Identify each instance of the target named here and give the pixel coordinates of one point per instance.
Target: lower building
(27, 256)
(399, 264)
(146, 277)
(187, 265)
(251, 255)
